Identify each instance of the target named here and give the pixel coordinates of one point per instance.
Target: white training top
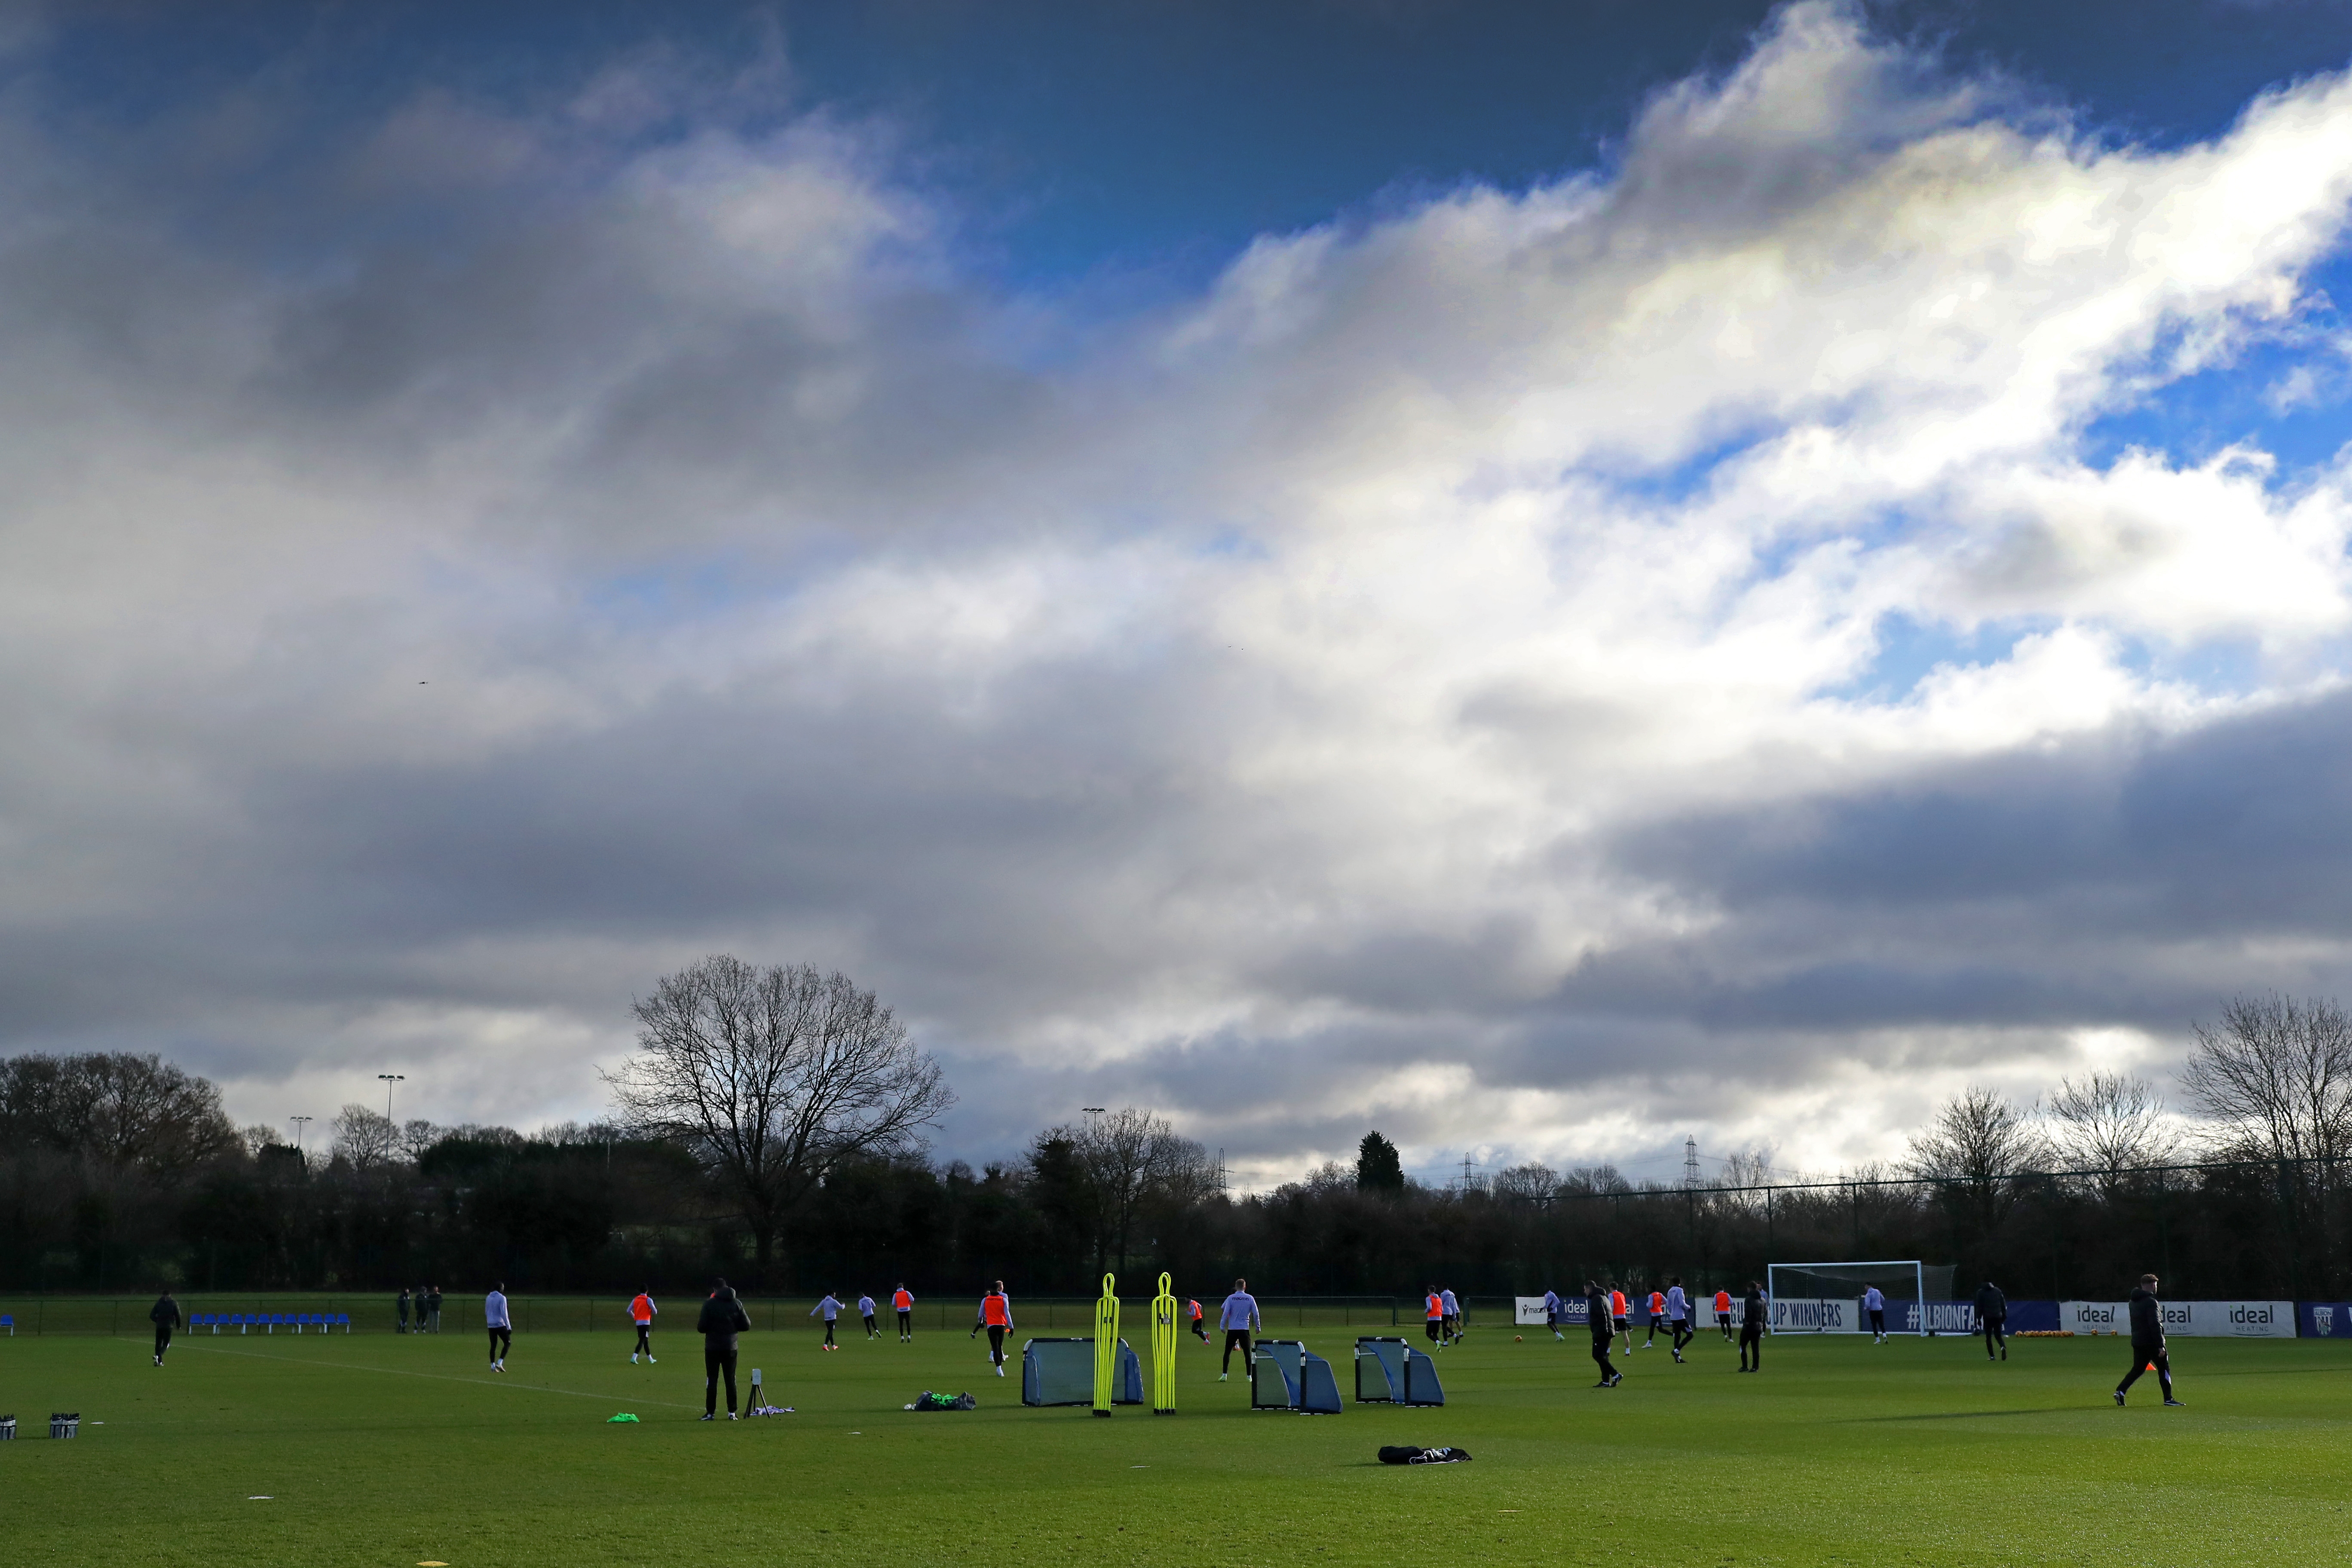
(494, 1310)
(1240, 1307)
(1872, 1302)
(1552, 1303)
(866, 1306)
(1445, 1297)
(829, 1307)
(1676, 1307)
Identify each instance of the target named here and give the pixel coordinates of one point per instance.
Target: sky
(1544, 578)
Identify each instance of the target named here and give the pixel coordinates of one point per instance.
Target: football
(1519, 1338)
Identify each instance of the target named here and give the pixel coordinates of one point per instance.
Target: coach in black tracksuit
(2147, 1341)
(165, 1315)
(722, 1318)
(1596, 1317)
(1992, 1319)
(1751, 1329)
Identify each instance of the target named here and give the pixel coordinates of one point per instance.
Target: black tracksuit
(1993, 1319)
(165, 1315)
(2147, 1344)
(722, 1318)
(1751, 1331)
(1596, 1317)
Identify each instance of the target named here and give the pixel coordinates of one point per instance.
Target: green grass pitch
(386, 1451)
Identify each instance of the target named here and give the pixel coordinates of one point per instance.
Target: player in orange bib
(902, 1301)
(1620, 1316)
(1657, 1316)
(996, 1316)
(642, 1313)
(1434, 1306)
(1723, 1313)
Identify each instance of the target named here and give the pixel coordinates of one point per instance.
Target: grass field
(387, 1451)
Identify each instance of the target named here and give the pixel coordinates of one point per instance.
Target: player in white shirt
(1553, 1307)
(831, 1307)
(1678, 1315)
(1453, 1315)
(866, 1310)
(1875, 1303)
(496, 1318)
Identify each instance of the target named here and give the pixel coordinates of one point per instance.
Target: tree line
(772, 1126)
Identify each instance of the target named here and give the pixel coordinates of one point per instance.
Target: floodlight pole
(390, 1078)
(297, 1122)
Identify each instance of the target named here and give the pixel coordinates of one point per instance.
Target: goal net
(1827, 1297)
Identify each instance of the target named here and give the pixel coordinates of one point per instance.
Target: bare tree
(1977, 1136)
(1525, 1183)
(1130, 1159)
(1973, 1149)
(366, 1138)
(2275, 1076)
(2108, 1126)
(417, 1135)
(774, 1077)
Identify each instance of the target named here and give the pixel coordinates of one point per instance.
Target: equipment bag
(1423, 1456)
(926, 1400)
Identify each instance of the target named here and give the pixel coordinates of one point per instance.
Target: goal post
(1826, 1298)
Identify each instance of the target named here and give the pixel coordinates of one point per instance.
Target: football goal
(1826, 1298)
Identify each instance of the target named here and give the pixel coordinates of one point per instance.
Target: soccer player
(866, 1310)
(1751, 1329)
(433, 1308)
(832, 1309)
(1238, 1316)
(402, 1306)
(1657, 1316)
(1874, 1301)
(1453, 1306)
(721, 1320)
(1678, 1316)
(1553, 1307)
(1621, 1315)
(1992, 1318)
(1596, 1314)
(902, 1301)
(1200, 1318)
(642, 1313)
(1433, 1308)
(2147, 1341)
(165, 1315)
(495, 1318)
(996, 1315)
(1723, 1313)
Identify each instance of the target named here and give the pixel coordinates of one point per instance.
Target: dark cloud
(512, 552)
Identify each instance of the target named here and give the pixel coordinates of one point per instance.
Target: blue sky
(1514, 574)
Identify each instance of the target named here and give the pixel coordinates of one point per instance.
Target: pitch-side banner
(1810, 1315)
(1530, 1312)
(2188, 1320)
(2324, 1320)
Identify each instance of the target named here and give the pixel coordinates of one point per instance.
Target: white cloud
(417, 646)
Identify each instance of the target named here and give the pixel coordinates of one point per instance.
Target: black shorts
(1624, 1325)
